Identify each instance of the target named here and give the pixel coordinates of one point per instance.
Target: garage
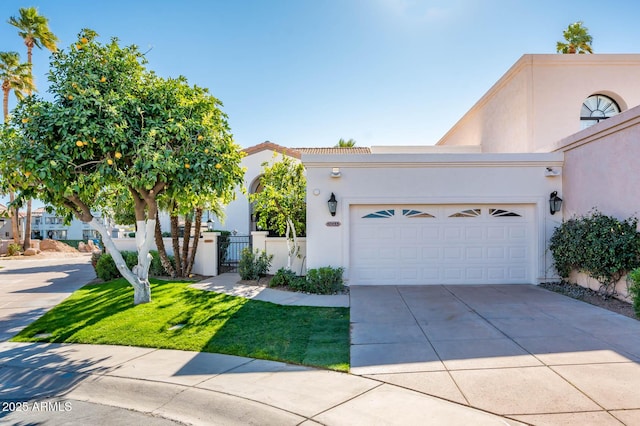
(441, 244)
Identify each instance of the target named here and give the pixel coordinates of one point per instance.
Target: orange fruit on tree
(103, 79)
(110, 161)
(218, 166)
(27, 174)
(206, 150)
(79, 143)
(84, 40)
(200, 137)
(25, 120)
(187, 165)
(70, 97)
(118, 155)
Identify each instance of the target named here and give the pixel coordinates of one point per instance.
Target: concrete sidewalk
(202, 388)
(228, 284)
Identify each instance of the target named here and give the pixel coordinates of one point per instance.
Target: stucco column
(259, 240)
(206, 261)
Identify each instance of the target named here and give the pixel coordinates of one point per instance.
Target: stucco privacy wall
(424, 179)
(537, 101)
(601, 167)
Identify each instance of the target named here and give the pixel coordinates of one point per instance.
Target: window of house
(597, 108)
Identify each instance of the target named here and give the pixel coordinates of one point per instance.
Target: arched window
(597, 108)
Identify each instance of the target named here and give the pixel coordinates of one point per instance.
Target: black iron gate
(229, 251)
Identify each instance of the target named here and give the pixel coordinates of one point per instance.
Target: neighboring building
(5, 224)
(475, 208)
(49, 226)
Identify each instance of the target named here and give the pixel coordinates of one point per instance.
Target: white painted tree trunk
(139, 276)
(292, 243)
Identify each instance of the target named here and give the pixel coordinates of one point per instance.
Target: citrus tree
(115, 126)
(281, 204)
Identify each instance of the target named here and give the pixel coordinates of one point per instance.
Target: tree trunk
(292, 243)
(185, 243)
(162, 252)
(176, 244)
(27, 227)
(139, 276)
(196, 239)
(14, 213)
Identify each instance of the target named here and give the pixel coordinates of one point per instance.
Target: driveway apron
(515, 350)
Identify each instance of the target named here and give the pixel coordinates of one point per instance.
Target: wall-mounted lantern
(210, 225)
(335, 172)
(555, 203)
(333, 204)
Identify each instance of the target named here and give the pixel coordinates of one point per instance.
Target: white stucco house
(475, 208)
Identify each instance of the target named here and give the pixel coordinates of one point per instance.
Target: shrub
(325, 280)
(634, 290)
(106, 268)
(253, 265)
(94, 259)
(285, 278)
(13, 249)
(156, 267)
(601, 246)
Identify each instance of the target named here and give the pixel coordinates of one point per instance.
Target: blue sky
(307, 72)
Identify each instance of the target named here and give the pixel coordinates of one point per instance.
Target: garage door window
(467, 213)
(380, 214)
(502, 213)
(416, 214)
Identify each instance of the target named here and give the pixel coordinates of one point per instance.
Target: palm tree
(34, 30)
(577, 39)
(345, 144)
(15, 76)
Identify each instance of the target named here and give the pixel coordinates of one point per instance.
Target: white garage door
(441, 244)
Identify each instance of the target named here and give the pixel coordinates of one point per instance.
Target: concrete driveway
(30, 287)
(515, 350)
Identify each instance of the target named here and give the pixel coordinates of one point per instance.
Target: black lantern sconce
(333, 204)
(555, 203)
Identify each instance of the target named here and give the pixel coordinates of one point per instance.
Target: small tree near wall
(281, 205)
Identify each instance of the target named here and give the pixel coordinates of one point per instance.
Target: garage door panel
(436, 244)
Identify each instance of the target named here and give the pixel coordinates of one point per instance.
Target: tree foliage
(345, 144)
(114, 125)
(577, 39)
(281, 204)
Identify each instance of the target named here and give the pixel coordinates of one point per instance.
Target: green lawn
(212, 322)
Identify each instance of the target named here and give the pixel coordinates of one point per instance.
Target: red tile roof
(297, 152)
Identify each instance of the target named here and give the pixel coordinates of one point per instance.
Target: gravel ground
(587, 295)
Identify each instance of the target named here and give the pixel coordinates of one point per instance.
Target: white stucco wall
(237, 212)
(537, 101)
(424, 179)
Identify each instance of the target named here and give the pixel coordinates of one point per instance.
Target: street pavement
(29, 287)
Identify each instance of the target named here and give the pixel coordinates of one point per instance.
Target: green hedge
(601, 246)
